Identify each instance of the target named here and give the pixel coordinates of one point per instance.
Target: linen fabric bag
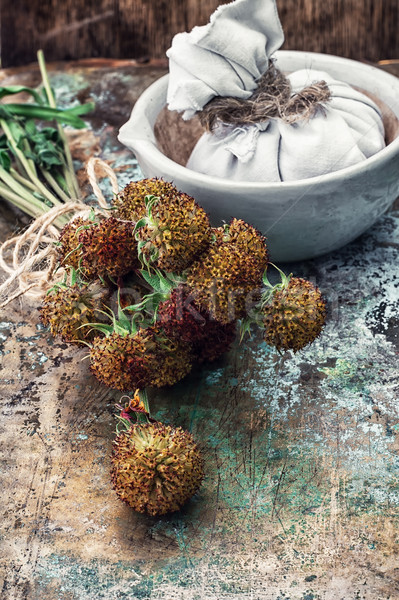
(227, 58)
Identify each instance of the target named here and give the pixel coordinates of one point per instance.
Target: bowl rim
(145, 145)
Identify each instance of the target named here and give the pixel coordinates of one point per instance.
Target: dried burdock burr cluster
(153, 290)
(156, 468)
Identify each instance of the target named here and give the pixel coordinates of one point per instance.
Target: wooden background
(143, 29)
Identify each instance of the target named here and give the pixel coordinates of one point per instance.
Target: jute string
(273, 99)
(30, 259)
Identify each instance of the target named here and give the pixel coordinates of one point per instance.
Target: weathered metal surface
(301, 496)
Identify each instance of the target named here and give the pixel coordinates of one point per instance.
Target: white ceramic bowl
(301, 219)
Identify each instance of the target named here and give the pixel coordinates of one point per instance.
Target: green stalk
(17, 152)
(69, 172)
(50, 179)
(30, 161)
(26, 206)
(26, 182)
(70, 181)
(22, 168)
(29, 204)
(19, 189)
(59, 178)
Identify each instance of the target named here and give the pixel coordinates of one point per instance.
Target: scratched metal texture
(301, 495)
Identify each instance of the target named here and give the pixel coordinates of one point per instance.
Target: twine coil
(33, 259)
(272, 99)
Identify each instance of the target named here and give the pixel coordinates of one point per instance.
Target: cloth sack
(347, 131)
(226, 58)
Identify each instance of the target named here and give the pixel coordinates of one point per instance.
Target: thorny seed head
(66, 309)
(156, 468)
(181, 319)
(295, 315)
(109, 248)
(130, 202)
(148, 358)
(228, 276)
(123, 362)
(69, 250)
(177, 229)
(100, 248)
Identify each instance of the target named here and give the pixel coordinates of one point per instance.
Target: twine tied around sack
(273, 99)
(30, 259)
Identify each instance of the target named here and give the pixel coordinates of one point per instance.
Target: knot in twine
(273, 99)
(30, 259)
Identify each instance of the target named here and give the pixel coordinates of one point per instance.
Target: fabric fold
(347, 131)
(294, 127)
(224, 57)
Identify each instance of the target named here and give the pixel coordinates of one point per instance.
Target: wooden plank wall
(142, 29)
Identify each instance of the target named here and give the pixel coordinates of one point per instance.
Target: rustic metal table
(301, 495)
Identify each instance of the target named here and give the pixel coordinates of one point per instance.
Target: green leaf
(134, 328)
(81, 109)
(46, 157)
(30, 127)
(150, 199)
(135, 307)
(44, 152)
(156, 298)
(58, 285)
(52, 134)
(74, 276)
(5, 160)
(153, 201)
(245, 327)
(78, 247)
(165, 285)
(153, 280)
(106, 329)
(265, 279)
(140, 223)
(175, 279)
(17, 89)
(121, 330)
(67, 116)
(16, 130)
(123, 319)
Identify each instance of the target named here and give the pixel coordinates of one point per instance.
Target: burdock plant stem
(36, 167)
(28, 168)
(27, 206)
(69, 171)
